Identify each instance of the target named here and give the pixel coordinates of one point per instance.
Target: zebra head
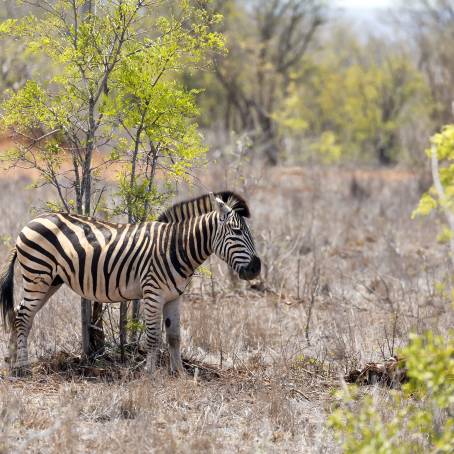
(233, 241)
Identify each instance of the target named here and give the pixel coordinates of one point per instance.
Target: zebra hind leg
(32, 302)
(153, 318)
(172, 324)
(12, 347)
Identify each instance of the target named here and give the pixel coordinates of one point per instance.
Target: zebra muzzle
(252, 270)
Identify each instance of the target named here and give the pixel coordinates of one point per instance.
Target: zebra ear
(222, 208)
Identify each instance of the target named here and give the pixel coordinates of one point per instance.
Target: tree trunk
(92, 323)
(131, 220)
(270, 148)
(269, 139)
(135, 318)
(123, 327)
(152, 161)
(384, 151)
(97, 337)
(85, 315)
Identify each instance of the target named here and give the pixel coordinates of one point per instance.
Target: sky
(367, 15)
(364, 4)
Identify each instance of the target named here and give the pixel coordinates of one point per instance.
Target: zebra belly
(106, 290)
(172, 293)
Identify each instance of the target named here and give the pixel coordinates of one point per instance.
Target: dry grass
(347, 276)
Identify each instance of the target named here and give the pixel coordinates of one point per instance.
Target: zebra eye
(237, 230)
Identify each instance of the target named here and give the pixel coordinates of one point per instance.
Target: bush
(419, 418)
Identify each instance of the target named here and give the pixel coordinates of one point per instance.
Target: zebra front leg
(152, 309)
(172, 323)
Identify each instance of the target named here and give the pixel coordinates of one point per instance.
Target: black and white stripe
(108, 262)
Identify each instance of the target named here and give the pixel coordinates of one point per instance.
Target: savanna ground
(347, 275)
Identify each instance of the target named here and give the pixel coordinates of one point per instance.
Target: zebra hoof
(178, 371)
(150, 370)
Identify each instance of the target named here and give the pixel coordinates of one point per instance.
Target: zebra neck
(197, 246)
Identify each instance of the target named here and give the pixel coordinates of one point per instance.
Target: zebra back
(202, 205)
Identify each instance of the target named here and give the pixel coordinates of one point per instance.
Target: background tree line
(300, 81)
(304, 83)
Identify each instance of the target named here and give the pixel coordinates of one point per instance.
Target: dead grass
(347, 275)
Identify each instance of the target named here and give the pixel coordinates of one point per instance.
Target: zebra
(106, 262)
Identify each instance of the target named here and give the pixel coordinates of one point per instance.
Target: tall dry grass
(347, 275)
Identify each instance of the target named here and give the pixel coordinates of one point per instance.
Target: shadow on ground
(109, 367)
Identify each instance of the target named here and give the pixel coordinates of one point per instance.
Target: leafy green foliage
(444, 143)
(426, 204)
(417, 419)
(356, 101)
(157, 111)
(140, 197)
(135, 326)
(440, 196)
(113, 80)
(327, 147)
(430, 363)
(204, 271)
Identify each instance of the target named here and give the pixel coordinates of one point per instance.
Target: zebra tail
(7, 291)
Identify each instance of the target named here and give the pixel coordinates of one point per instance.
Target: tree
(267, 40)
(60, 123)
(156, 114)
(354, 101)
(430, 24)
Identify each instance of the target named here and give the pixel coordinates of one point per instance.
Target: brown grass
(347, 275)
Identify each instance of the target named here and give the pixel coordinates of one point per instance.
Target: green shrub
(419, 418)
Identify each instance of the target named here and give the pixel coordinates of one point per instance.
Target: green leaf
(426, 204)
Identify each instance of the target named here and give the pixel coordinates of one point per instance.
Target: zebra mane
(201, 205)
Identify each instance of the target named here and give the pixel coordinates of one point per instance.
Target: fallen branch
(391, 373)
